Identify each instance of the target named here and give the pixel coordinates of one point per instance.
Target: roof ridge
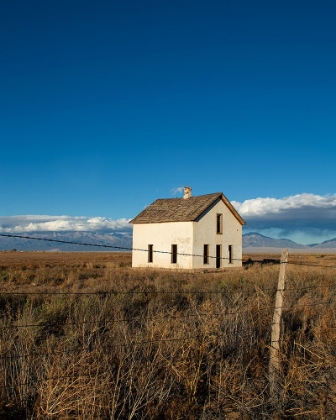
(192, 197)
(166, 210)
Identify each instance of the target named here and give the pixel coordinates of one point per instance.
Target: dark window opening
(150, 253)
(219, 223)
(218, 256)
(206, 254)
(230, 253)
(174, 254)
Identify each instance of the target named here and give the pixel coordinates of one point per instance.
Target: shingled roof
(182, 210)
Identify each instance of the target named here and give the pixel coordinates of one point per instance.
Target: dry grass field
(85, 336)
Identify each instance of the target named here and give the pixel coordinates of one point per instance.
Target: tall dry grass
(91, 338)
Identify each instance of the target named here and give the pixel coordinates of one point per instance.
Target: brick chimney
(187, 192)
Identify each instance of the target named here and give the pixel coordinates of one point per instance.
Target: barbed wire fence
(131, 249)
(274, 346)
(116, 248)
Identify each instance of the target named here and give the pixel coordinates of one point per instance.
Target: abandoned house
(201, 232)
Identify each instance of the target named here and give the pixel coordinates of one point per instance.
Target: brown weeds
(90, 338)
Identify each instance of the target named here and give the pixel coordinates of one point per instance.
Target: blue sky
(106, 106)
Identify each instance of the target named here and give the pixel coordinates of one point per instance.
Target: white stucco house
(201, 232)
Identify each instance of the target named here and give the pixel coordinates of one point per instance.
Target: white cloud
(304, 218)
(266, 206)
(45, 223)
(178, 190)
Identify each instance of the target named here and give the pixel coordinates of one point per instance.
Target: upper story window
(219, 223)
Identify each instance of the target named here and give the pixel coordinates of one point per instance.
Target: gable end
(182, 210)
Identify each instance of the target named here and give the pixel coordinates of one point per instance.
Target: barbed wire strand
(111, 321)
(159, 292)
(81, 348)
(117, 247)
(312, 265)
(104, 322)
(265, 261)
(31, 382)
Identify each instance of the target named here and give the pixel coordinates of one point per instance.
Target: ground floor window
(218, 256)
(150, 253)
(206, 254)
(174, 254)
(230, 254)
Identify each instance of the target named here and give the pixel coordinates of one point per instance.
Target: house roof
(182, 210)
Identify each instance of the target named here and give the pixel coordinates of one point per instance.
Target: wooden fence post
(274, 363)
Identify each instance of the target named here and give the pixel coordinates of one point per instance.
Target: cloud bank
(304, 218)
(33, 223)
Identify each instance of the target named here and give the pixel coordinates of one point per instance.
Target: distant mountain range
(91, 241)
(256, 240)
(112, 241)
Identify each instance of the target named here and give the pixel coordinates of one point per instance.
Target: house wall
(205, 233)
(162, 236)
(190, 238)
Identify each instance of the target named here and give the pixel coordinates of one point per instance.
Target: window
(174, 254)
(150, 253)
(219, 223)
(206, 254)
(230, 253)
(218, 256)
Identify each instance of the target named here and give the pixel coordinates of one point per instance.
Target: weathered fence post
(274, 363)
